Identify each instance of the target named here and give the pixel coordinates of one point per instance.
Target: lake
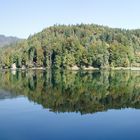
(64, 105)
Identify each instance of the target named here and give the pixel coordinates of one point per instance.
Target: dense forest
(68, 91)
(83, 46)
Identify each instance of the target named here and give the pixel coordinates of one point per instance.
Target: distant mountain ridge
(7, 40)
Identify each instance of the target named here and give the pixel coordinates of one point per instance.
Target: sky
(22, 18)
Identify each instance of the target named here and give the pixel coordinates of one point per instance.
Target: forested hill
(7, 40)
(76, 45)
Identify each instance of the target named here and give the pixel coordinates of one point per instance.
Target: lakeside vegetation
(84, 92)
(80, 46)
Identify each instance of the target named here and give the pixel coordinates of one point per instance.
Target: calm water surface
(39, 105)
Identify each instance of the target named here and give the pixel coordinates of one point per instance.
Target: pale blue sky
(24, 17)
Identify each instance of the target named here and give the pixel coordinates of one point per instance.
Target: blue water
(21, 119)
(39, 105)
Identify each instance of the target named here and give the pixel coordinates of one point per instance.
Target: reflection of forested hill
(76, 92)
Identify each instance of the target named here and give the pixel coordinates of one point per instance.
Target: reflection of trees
(76, 91)
(32, 82)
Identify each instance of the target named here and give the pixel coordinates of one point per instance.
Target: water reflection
(84, 92)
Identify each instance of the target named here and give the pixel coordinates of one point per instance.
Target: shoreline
(126, 68)
(78, 69)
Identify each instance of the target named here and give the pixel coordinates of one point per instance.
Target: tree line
(63, 47)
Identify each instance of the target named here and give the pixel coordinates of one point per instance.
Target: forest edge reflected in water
(66, 91)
